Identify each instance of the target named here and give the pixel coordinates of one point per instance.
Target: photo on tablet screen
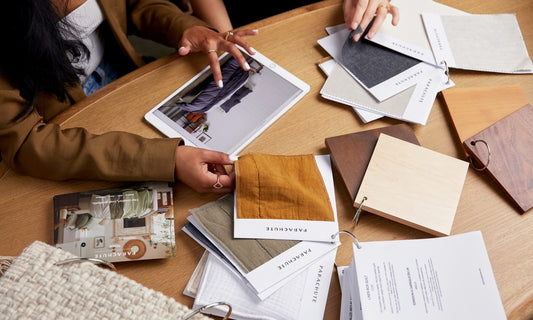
(228, 118)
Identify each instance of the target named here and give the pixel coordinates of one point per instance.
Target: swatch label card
(414, 104)
(284, 202)
(409, 36)
(482, 42)
(272, 268)
(383, 83)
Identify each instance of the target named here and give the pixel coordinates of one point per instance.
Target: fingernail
(256, 30)
(246, 66)
(220, 84)
(371, 35)
(253, 50)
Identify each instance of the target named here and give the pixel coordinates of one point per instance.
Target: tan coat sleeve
(31, 146)
(160, 20)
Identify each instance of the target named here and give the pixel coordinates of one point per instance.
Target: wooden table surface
(290, 39)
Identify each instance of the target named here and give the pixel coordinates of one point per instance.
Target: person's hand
(204, 170)
(202, 39)
(359, 13)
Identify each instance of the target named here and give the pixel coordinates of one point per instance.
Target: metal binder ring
(446, 71)
(209, 306)
(93, 260)
(488, 157)
(350, 234)
(358, 212)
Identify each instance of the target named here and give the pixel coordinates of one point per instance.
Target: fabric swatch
(216, 218)
(281, 187)
(371, 63)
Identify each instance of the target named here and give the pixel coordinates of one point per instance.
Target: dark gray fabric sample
(371, 63)
(216, 218)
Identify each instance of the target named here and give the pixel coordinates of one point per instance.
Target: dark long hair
(36, 48)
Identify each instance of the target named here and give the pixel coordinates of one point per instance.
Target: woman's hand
(204, 170)
(359, 13)
(202, 39)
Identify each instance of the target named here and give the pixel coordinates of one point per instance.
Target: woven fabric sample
(281, 187)
(33, 287)
(371, 63)
(216, 218)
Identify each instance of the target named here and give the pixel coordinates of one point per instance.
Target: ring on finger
(385, 5)
(211, 50)
(228, 34)
(218, 185)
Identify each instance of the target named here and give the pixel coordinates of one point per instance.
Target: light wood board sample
(412, 185)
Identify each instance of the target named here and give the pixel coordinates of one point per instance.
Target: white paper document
(436, 278)
(302, 298)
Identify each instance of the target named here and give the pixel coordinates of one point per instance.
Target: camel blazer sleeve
(158, 20)
(33, 146)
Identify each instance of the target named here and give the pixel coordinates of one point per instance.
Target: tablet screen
(227, 119)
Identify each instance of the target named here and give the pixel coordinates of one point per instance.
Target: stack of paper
(280, 274)
(435, 278)
(399, 72)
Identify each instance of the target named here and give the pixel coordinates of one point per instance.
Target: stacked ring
(228, 34)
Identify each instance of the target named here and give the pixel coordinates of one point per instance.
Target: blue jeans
(104, 74)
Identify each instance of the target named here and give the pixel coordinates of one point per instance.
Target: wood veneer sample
(412, 185)
(350, 153)
(511, 155)
(474, 109)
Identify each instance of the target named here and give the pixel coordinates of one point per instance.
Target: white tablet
(227, 119)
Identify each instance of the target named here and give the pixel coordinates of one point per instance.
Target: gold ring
(218, 185)
(386, 6)
(228, 34)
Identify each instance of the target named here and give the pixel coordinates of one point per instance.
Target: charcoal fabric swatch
(371, 63)
(281, 187)
(216, 218)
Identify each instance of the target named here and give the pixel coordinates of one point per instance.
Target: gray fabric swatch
(216, 218)
(371, 63)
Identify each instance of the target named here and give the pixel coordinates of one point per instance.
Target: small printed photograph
(224, 118)
(118, 224)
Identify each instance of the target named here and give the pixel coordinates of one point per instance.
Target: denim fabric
(104, 74)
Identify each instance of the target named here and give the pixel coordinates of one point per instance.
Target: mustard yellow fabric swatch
(281, 187)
